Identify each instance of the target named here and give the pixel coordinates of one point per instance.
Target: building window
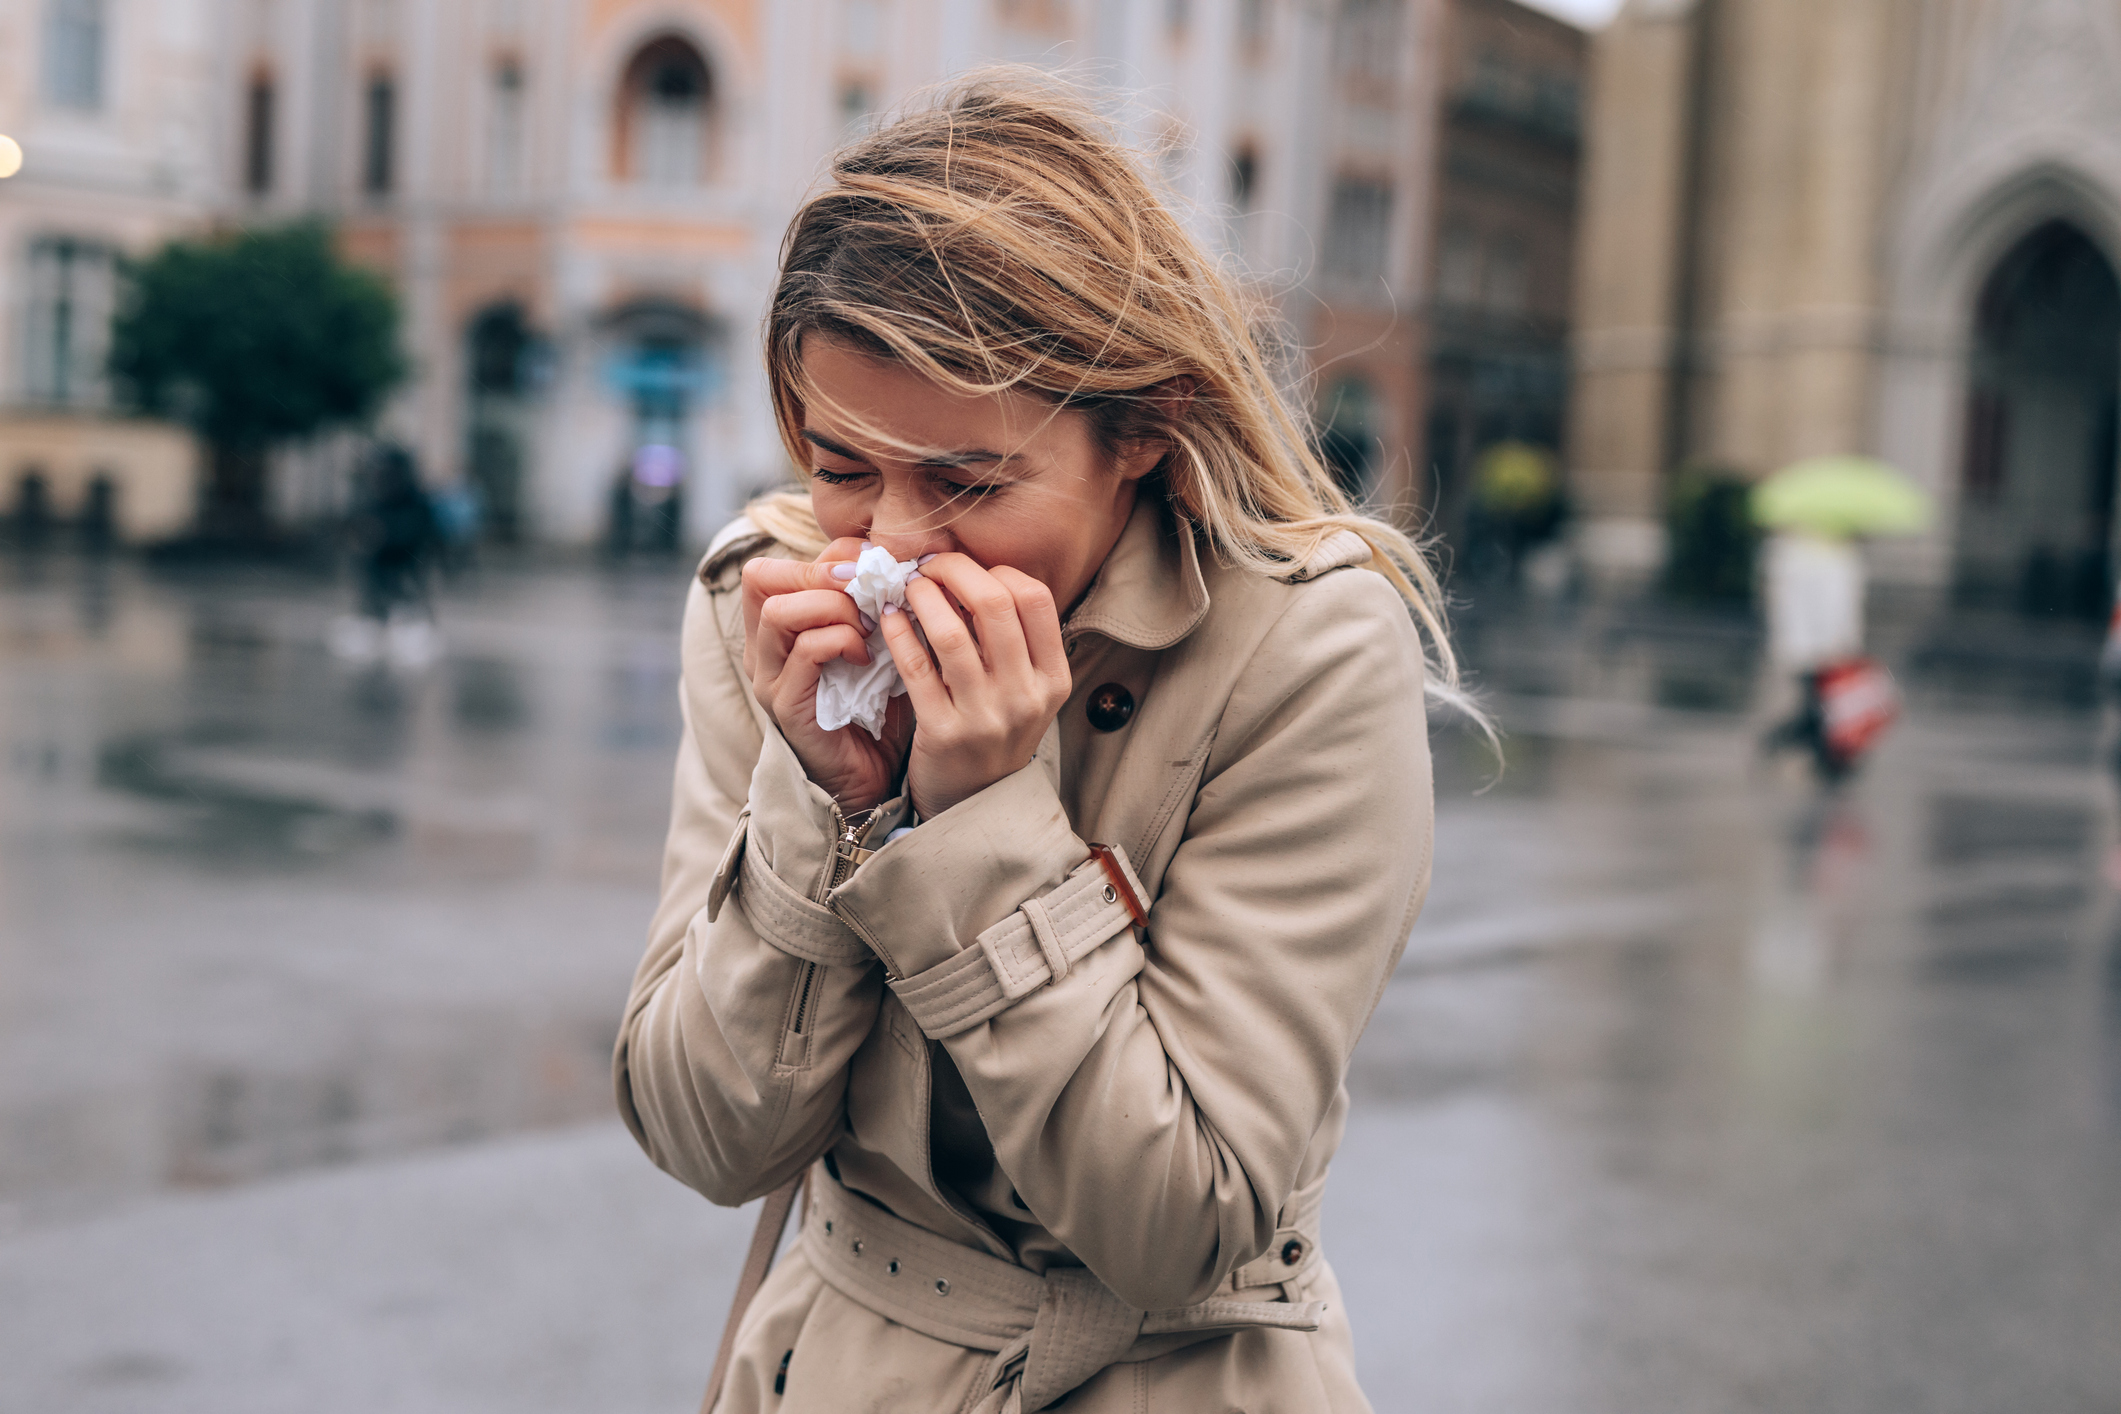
(73, 53)
(1366, 40)
(258, 135)
(1347, 435)
(1358, 229)
(379, 122)
(1244, 180)
(857, 107)
(1458, 267)
(666, 103)
(1507, 288)
(66, 317)
(504, 128)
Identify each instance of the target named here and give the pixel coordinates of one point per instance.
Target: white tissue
(847, 692)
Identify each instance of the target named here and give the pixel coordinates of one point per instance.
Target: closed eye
(968, 488)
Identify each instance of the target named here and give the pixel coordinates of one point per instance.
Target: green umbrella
(1841, 496)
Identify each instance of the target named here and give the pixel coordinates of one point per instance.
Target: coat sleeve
(732, 1056)
(1153, 1106)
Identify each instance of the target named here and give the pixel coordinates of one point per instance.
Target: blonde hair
(998, 236)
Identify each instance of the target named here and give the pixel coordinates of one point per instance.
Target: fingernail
(843, 571)
(912, 575)
(869, 624)
(927, 557)
(890, 609)
(867, 546)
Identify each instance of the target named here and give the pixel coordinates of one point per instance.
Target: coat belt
(1047, 1334)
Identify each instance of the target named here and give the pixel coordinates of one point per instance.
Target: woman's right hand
(797, 618)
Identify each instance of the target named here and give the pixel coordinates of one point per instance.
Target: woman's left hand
(997, 676)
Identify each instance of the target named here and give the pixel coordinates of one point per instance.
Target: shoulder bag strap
(765, 1241)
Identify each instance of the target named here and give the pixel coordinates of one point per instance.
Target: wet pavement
(1697, 1090)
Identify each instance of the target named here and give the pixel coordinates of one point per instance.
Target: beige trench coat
(962, 1029)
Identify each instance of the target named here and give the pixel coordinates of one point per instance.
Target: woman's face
(1003, 478)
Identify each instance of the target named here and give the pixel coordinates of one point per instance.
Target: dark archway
(2037, 496)
(666, 115)
(501, 356)
(665, 362)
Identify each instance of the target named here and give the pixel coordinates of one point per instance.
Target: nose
(908, 527)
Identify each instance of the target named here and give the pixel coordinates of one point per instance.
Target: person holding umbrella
(1816, 511)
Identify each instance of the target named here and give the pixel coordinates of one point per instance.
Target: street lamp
(10, 156)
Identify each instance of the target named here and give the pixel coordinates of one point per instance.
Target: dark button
(1292, 1252)
(1109, 707)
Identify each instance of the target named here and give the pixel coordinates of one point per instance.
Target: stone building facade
(1504, 250)
(1879, 226)
(580, 201)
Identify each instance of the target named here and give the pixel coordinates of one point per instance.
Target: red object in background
(1857, 702)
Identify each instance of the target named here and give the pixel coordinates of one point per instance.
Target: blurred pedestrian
(1819, 509)
(395, 533)
(1065, 1109)
(1815, 592)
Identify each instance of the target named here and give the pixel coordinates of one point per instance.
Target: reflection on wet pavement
(264, 911)
(1696, 1089)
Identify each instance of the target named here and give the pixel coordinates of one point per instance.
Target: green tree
(254, 338)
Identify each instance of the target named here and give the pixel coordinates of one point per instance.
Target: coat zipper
(847, 853)
(802, 996)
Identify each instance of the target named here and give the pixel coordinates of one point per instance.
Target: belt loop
(1048, 941)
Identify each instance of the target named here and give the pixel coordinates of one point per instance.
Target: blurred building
(580, 201)
(1505, 245)
(115, 123)
(1884, 226)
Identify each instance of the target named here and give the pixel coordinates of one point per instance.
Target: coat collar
(1150, 592)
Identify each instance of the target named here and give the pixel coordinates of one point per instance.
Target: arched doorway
(665, 364)
(501, 358)
(2037, 493)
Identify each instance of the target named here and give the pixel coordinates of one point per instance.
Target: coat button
(1109, 707)
(1292, 1252)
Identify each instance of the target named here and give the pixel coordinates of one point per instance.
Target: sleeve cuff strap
(1035, 945)
(783, 917)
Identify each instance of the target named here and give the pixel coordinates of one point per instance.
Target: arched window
(666, 115)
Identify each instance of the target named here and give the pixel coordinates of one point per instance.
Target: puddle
(217, 818)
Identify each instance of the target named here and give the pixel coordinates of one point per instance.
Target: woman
(1051, 986)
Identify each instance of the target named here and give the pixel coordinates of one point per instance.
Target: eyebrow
(976, 456)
